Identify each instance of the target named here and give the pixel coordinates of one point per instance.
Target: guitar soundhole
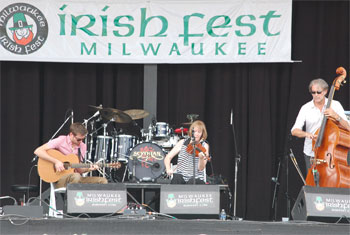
(66, 165)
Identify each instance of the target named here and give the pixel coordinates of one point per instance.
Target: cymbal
(136, 113)
(115, 114)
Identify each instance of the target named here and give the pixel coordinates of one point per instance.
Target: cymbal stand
(85, 123)
(126, 168)
(104, 152)
(91, 142)
(150, 132)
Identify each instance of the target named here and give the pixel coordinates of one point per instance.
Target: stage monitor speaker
(96, 198)
(190, 200)
(25, 211)
(322, 204)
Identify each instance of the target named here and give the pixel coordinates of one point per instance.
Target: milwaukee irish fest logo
(23, 28)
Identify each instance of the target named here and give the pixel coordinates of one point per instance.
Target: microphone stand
(275, 192)
(194, 157)
(237, 160)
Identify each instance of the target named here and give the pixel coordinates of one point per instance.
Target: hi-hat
(115, 115)
(136, 113)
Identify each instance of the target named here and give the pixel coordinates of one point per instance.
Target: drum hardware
(168, 144)
(92, 124)
(192, 117)
(147, 136)
(97, 108)
(97, 113)
(103, 172)
(101, 147)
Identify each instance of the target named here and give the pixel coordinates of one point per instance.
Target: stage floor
(160, 225)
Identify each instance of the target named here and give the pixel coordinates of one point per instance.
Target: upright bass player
(311, 115)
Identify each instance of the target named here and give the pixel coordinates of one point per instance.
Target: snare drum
(124, 143)
(103, 148)
(161, 130)
(146, 162)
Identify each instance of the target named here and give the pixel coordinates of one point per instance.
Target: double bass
(330, 167)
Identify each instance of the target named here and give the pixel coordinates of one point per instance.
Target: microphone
(72, 116)
(231, 120)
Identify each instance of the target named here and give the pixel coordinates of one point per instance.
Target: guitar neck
(86, 165)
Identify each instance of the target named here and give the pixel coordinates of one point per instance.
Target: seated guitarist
(70, 144)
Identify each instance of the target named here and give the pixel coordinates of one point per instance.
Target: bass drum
(146, 162)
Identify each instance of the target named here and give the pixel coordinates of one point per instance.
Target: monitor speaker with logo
(322, 204)
(190, 200)
(96, 198)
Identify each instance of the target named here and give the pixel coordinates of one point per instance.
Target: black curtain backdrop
(265, 99)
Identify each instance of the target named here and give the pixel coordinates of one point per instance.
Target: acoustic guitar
(47, 171)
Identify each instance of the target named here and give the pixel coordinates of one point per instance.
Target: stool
(22, 188)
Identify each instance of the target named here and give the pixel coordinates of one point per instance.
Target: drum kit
(142, 153)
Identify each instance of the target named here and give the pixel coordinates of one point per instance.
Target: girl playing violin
(184, 149)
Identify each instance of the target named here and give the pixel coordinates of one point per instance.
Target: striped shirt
(185, 163)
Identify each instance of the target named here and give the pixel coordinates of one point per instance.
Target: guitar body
(47, 171)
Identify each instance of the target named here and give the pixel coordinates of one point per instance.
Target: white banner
(146, 31)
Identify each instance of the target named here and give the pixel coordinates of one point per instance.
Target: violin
(198, 148)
